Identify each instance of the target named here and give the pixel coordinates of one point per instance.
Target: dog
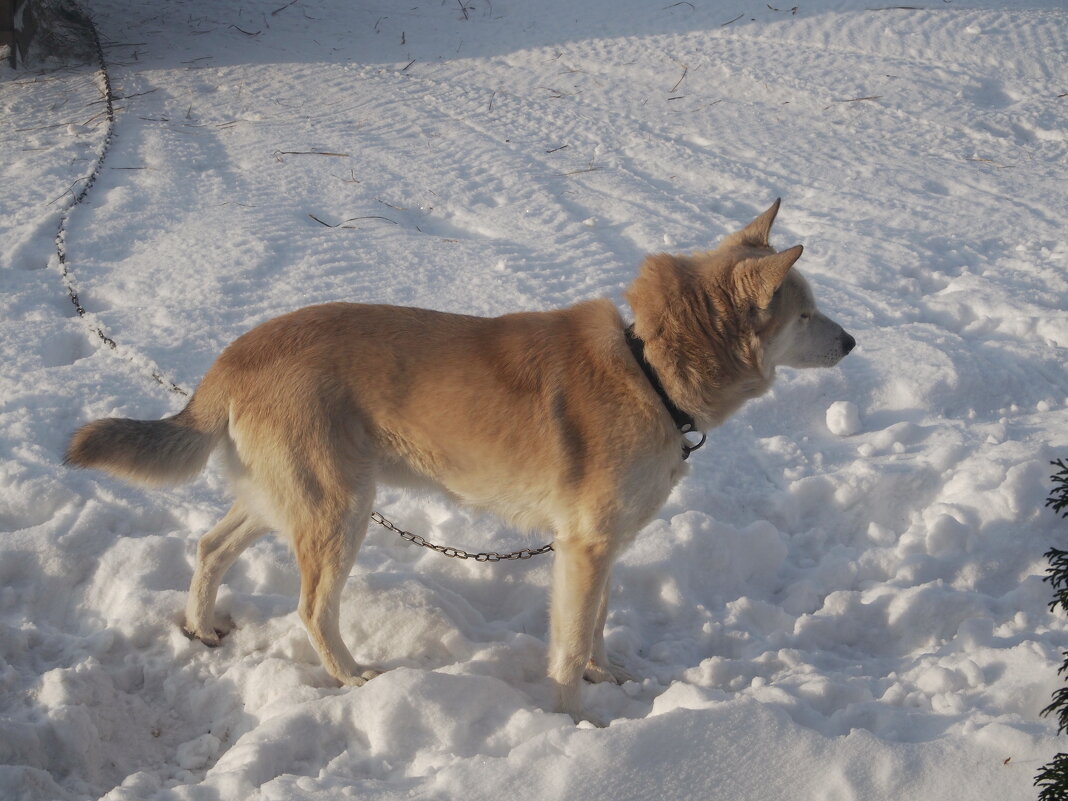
(568, 421)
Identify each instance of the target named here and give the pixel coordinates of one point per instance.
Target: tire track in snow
(482, 166)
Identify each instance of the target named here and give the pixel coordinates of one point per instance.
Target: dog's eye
(805, 315)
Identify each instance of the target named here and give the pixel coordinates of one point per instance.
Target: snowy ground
(842, 601)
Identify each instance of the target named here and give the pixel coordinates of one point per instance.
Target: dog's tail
(153, 452)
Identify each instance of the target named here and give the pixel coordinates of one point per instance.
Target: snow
(843, 418)
(842, 600)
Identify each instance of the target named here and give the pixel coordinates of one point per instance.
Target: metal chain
(68, 280)
(459, 553)
(89, 180)
(109, 97)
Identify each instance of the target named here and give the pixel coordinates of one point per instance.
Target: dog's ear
(756, 234)
(758, 279)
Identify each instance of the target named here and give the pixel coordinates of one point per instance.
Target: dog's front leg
(599, 669)
(580, 576)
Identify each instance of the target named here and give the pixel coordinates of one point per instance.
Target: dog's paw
(211, 637)
(361, 678)
(596, 674)
(212, 640)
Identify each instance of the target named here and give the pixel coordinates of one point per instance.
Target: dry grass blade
(278, 11)
(344, 223)
(685, 69)
(311, 153)
(278, 154)
(369, 217)
(991, 162)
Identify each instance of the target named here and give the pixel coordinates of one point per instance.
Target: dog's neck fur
(690, 340)
(684, 421)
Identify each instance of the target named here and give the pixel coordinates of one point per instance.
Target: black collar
(683, 421)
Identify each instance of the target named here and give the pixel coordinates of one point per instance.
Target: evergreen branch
(1060, 706)
(1058, 497)
(1053, 779)
(1057, 576)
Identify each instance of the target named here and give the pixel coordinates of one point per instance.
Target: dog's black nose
(848, 343)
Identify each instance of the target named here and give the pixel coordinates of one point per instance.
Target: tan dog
(565, 421)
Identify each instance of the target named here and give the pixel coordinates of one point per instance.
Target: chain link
(459, 553)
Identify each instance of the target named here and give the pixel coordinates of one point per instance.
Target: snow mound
(843, 418)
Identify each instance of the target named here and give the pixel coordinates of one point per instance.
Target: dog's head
(781, 308)
(732, 314)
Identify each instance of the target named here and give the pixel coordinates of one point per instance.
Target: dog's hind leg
(580, 576)
(326, 545)
(216, 552)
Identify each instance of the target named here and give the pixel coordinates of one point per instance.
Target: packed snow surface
(843, 600)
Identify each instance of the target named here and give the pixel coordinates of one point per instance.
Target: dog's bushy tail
(153, 452)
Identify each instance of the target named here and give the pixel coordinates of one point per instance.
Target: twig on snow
(368, 217)
(120, 97)
(70, 189)
(991, 162)
(279, 153)
(95, 118)
(139, 94)
(277, 11)
(353, 219)
(685, 69)
(591, 168)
